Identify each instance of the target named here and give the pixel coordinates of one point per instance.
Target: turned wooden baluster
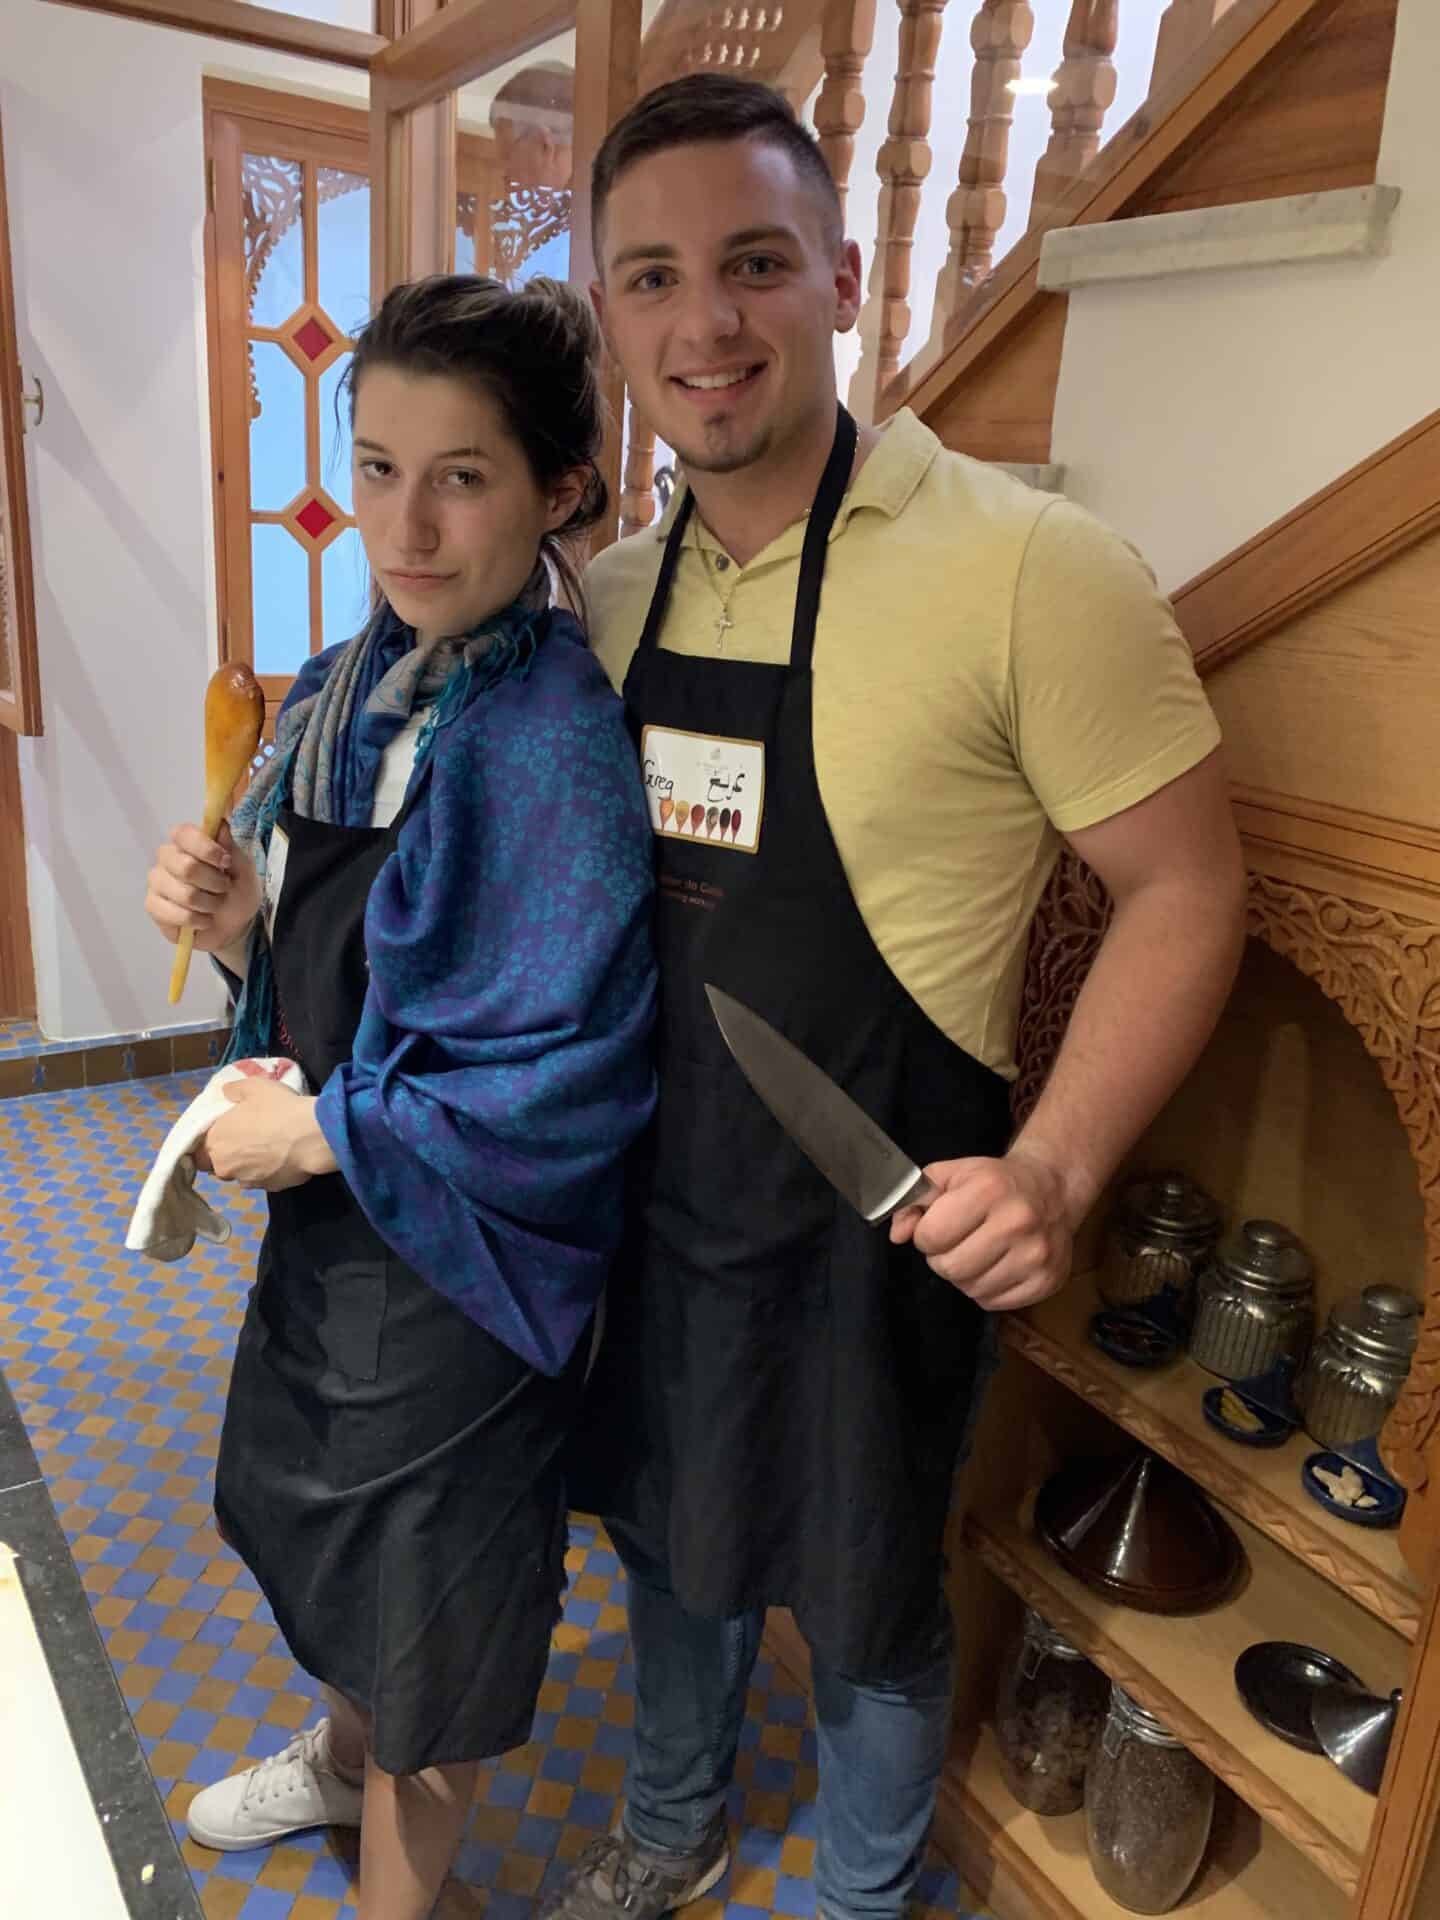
(975, 212)
(1184, 26)
(1084, 88)
(902, 163)
(637, 498)
(845, 39)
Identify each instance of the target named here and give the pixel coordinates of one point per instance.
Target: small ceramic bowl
(1131, 1338)
(1243, 1420)
(1322, 1475)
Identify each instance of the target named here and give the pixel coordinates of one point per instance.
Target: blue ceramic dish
(1389, 1499)
(1273, 1431)
(1129, 1337)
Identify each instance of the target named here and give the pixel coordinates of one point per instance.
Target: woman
(437, 898)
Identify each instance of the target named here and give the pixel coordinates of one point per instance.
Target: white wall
(104, 154)
(359, 14)
(1192, 412)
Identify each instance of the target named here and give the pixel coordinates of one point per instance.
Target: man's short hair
(712, 107)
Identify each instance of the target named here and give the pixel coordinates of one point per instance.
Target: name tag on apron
(274, 877)
(703, 787)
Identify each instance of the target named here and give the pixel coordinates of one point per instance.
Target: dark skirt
(392, 1477)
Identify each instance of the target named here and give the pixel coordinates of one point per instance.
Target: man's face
(721, 293)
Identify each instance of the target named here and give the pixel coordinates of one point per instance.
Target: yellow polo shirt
(993, 668)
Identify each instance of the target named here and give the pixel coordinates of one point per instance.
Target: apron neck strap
(829, 497)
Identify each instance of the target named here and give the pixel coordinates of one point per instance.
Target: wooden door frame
(17, 959)
(248, 25)
(20, 710)
(466, 40)
(240, 116)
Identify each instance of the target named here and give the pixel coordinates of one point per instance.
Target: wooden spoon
(234, 717)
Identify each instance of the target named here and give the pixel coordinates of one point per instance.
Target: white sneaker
(292, 1790)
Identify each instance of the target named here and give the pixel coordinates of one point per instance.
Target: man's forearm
(1162, 975)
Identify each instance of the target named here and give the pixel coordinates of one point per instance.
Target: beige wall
(1195, 410)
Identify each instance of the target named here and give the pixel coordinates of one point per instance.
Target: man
(874, 685)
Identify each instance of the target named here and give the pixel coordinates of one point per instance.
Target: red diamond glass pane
(313, 339)
(314, 518)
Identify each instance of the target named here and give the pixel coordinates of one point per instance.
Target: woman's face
(446, 503)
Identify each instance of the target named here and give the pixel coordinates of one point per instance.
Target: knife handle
(919, 1194)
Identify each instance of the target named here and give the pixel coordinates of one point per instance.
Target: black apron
(389, 1472)
(782, 1396)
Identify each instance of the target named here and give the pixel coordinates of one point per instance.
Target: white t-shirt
(397, 763)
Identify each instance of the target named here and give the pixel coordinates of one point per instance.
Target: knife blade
(856, 1156)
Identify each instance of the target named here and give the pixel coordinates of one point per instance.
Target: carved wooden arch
(1381, 969)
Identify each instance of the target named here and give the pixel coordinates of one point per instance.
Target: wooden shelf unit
(1034, 1866)
(1182, 1667)
(1162, 1410)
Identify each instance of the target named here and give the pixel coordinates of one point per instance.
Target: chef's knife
(858, 1158)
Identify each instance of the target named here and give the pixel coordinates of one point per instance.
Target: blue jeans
(881, 1747)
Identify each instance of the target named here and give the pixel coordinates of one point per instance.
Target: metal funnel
(1355, 1727)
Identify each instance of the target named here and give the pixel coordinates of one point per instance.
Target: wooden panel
(1380, 507)
(457, 46)
(19, 657)
(1428, 1899)
(1308, 121)
(17, 967)
(1343, 705)
(1336, 850)
(411, 168)
(1003, 409)
(308, 126)
(1397, 1885)
(250, 25)
(607, 76)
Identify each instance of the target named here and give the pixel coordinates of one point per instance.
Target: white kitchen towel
(170, 1215)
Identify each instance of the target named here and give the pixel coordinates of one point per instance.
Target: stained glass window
(292, 264)
(307, 266)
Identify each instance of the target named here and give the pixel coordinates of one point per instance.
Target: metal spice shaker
(1148, 1808)
(1163, 1229)
(1255, 1303)
(1358, 1365)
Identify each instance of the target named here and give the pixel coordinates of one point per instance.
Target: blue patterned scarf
(331, 738)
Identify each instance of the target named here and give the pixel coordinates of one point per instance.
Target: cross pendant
(722, 627)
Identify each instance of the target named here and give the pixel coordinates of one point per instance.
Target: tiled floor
(20, 1036)
(119, 1366)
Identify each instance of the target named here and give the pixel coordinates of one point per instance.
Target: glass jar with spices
(1148, 1808)
(1255, 1304)
(1049, 1711)
(1163, 1229)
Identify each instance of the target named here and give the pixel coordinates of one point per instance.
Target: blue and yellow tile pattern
(119, 1367)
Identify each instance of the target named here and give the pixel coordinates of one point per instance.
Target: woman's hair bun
(577, 331)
